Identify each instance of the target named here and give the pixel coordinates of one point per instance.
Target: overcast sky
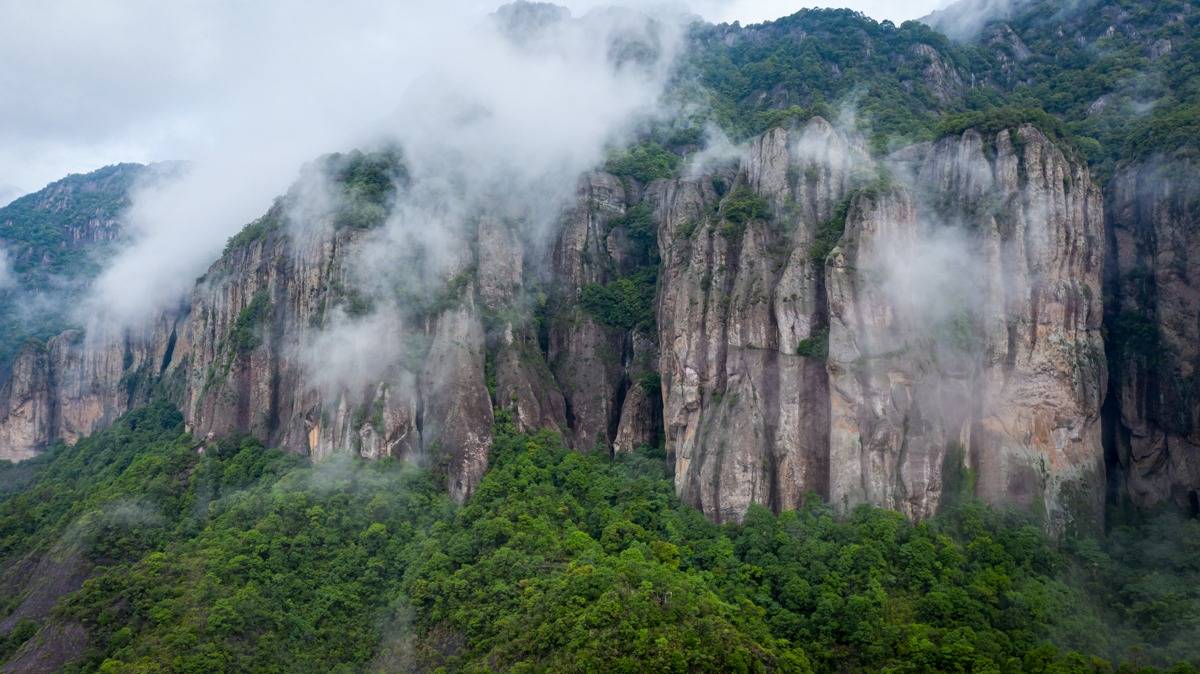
(86, 83)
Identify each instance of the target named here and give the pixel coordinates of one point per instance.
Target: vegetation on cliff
(1118, 78)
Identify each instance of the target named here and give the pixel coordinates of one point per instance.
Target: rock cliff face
(70, 387)
(897, 331)
(965, 338)
(1154, 209)
(746, 415)
(585, 356)
(961, 311)
(254, 347)
(272, 319)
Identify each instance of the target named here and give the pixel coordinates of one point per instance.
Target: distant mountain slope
(898, 80)
(55, 241)
(1121, 75)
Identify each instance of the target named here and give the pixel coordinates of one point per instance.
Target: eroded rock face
(961, 308)
(819, 330)
(458, 411)
(274, 345)
(25, 397)
(965, 337)
(889, 430)
(74, 385)
(745, 412)
(279, 339)
(1154, 210)
(586, 357)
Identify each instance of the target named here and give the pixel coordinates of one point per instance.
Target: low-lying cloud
(505, 110)
(7, 278)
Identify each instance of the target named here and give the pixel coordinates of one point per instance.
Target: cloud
(964, 19)
(91, 83)
(717, 150)
(348, 353)
(7, 278)
(500, 122)
(928, 274)
(248, 93)
(9, 193)
(478, 109)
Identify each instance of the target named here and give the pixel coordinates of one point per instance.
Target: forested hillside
(224, 556)
(1120, 76)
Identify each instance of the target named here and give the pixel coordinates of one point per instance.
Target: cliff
(1154, 277)
(820, 329)
(960, 307)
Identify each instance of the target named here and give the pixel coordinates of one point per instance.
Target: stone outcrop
(965, 339)
(71, 386)
(995, 377)
(584, 355)
(745, 413)
(25, 398)
(278, 339)
(1154, 210)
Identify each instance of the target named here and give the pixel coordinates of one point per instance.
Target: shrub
(638, 223)
(743, 205)
(626, 303)
(830, 232)
(246, 333)
(815, 346)
(645, 162)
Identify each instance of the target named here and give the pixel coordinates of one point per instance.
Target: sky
(90, 83)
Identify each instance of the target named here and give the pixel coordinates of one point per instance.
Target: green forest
(228, 557)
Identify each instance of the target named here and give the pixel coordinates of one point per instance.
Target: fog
(506, 117)
(479, 106)
(252, 93)
(964, 19)
(7, 279)
(248, 93)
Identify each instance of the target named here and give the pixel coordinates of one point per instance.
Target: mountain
(948, 275)
(743, 409)
(743, 345)
(55, 241)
